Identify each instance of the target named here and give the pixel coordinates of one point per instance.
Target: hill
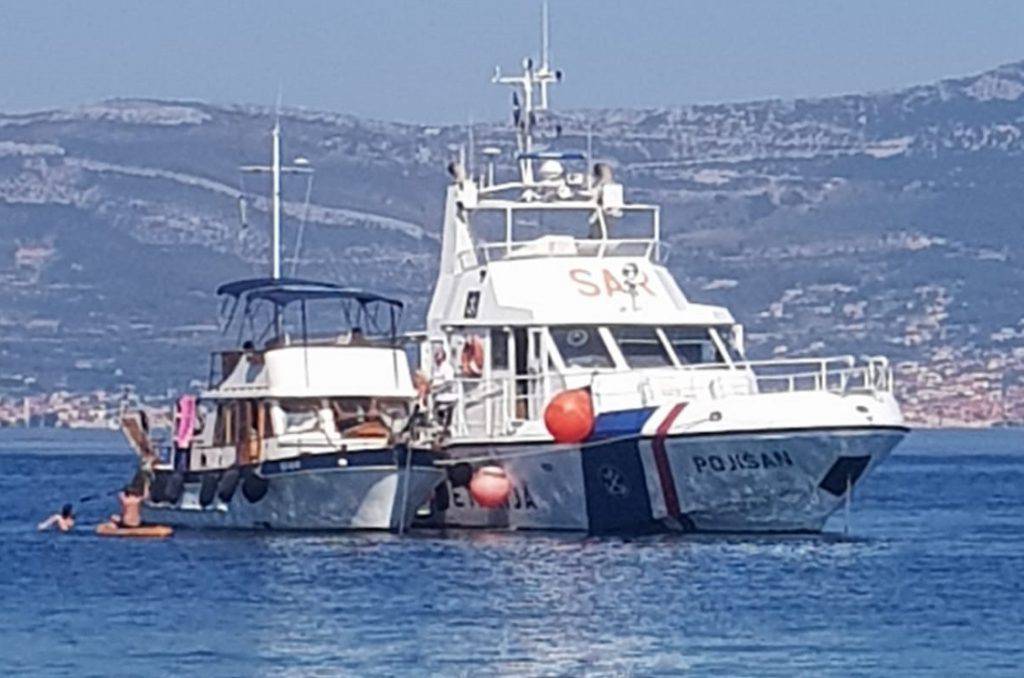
(876, 223)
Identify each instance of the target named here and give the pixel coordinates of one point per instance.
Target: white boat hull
(754, 481)
(290, 496)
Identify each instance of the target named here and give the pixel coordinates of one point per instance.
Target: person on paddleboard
(63, 521)
(131, 502)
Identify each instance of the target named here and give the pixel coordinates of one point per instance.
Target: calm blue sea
(929, 582)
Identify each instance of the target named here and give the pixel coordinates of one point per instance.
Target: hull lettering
(738, 462)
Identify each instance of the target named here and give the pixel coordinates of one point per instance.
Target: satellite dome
(550, 170)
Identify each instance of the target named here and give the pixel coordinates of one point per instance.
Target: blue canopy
(552, 155)
(237, 287)
(283, 291)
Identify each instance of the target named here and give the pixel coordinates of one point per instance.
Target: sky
(430, 61)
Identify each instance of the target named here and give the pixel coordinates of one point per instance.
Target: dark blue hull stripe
(329, 461)
(620, 424)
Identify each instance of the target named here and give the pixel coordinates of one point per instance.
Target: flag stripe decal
(668, 483)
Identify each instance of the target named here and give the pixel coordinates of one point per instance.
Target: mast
(545, 72)
(533, 82)
(275, 241)
(276, 170)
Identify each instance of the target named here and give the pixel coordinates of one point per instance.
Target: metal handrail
(839, 374)
(584, 247)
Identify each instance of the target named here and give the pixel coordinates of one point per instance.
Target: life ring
(472, 359)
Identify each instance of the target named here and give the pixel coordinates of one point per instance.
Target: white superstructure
(553, 281)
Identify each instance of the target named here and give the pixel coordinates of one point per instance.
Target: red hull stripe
(668, 483)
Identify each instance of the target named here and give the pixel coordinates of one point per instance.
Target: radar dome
(550, 170)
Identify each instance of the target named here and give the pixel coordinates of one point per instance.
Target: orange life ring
(472, 359)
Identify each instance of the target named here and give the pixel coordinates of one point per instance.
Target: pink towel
(186, 421)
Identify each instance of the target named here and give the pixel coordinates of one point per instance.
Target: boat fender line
(441, 499)
(460, 474)
(227, 485)
(472, 358)
(175, 487)
(499, 457)
(158, 488)
(208, 488)
(254, 486)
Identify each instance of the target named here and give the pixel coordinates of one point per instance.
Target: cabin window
(266, 430)
(641, 347)
(581, 347)
(300, 414)
(224, 426)
(693, 345)
(499, 349)
(246, 419)
(360, 417)
(725, 338)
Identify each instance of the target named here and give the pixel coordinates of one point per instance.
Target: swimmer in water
(64, 521)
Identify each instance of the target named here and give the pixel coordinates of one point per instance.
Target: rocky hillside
(879, 223)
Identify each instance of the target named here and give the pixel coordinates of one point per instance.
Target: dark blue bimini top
(238, 287)
(552, 155)
(283, 291)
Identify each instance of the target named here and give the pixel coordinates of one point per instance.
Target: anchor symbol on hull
(614, 483)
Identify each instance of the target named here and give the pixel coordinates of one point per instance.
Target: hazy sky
(430, 61)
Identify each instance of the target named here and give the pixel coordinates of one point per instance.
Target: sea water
(929, 581)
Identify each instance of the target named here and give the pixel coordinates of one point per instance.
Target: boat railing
(222, 364)
(562, 229)
(498, 406)
(563, 246)
(840, 374)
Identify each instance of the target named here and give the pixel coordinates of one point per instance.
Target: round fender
(460, 475)
(569, 417)
(208, 488)
(175, 487)
(490, 486)
(254, 487)
(158, 488)
(441, 500)
(226, 486)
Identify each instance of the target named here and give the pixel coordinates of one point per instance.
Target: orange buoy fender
(142, 531)
(569, 416)
(490, 486)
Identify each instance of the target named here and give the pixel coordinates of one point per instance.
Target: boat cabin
(318, 368)
(557, 283)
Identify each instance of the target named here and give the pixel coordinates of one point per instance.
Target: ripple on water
(929, 582)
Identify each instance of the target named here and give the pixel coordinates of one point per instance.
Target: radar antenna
(533, 82)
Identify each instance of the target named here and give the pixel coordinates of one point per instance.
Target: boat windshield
(347, 416)
(641, 346)
(581, 347)
(701, 345)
